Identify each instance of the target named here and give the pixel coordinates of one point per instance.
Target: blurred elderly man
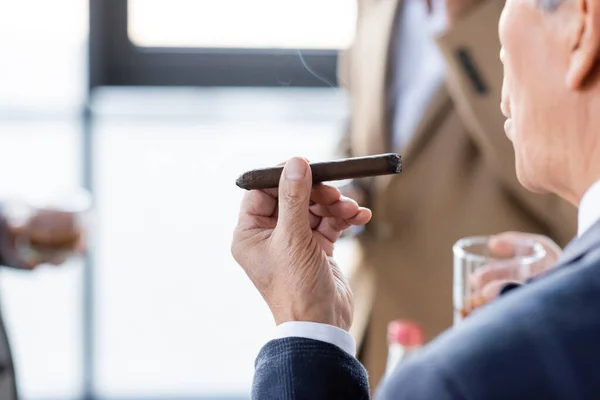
(536, 341)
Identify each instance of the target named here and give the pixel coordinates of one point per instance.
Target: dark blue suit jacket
(539, 341)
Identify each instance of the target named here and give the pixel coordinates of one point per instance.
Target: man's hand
(284, 242)
(489, 280)
(46, 237)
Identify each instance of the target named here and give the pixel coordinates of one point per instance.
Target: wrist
(340, 323)
(341, 319)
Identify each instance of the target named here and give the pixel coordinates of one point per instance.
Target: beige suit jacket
(459, 176)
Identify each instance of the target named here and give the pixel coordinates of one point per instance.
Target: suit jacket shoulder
(538, 341)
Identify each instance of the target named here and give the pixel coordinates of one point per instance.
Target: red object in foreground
(404, 338)
(405, 333)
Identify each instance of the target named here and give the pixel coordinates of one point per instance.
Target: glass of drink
(48, 228)
(477, 271)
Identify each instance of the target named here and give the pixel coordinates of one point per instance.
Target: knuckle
(292, 194)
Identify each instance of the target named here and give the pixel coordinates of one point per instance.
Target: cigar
(349, 168)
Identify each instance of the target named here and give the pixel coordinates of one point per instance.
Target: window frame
(116, 61)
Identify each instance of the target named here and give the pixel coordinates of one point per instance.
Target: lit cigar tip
(394, 163)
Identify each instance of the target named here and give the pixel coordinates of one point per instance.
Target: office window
(42, 56)
(170, 315)
(42, 88)
(219, 43)
(43, 308)
(176, 317)
(301, 24)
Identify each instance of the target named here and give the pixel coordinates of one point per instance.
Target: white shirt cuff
(316, 331)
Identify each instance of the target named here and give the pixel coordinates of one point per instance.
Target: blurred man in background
(43, 237)
(437, 105)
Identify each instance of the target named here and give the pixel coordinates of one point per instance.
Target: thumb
(294, 196)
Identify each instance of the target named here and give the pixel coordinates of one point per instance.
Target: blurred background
(156, 106)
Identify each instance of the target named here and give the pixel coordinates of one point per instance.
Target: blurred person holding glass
(34, 232)
(424, 81)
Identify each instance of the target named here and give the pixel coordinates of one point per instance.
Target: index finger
(325, 195)
(258, 203)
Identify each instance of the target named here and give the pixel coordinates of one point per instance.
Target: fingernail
(295, 169)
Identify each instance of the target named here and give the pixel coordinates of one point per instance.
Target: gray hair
(550, 5)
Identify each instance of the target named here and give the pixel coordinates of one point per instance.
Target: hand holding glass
(481, 271)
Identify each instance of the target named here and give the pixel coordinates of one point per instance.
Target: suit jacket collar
(437, 110)
(574, 251)
(581, 245)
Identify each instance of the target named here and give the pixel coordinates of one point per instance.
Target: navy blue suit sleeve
(304, 369)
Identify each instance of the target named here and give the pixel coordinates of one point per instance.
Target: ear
(585, 51)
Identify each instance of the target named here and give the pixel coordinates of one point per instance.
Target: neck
(584, 170)
(575, 199)
(577, 145)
